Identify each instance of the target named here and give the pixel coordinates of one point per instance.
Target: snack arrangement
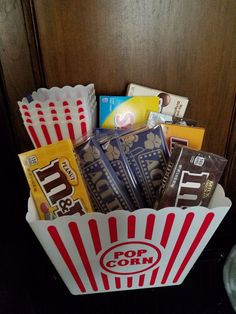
(124, 162)
(128, 205)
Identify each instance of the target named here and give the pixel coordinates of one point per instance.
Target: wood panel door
(187, 47)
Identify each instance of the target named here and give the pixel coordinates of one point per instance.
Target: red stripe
(58, 132)
(71, 131)
(105, 281)
(95, 235)
(83, 128)
(129, 282)
(113, 229)
(46, 134)
(194, 245)
(149, 226)
(154, 276)
(34, 136)
(65, 255)
(117, 282)
(79, 102)
(81, 250)
(167, 229)
(131, 226)
(141, 280)
(179, 242)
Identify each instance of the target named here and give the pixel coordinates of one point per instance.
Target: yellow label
(120, 112)
(55, 181)
(183, 135)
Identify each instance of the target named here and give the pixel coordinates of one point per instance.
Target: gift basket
(129, 204)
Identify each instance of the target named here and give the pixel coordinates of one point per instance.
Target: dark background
(187, 47)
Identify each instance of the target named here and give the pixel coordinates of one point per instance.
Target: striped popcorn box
(57, 113)
(123, 250)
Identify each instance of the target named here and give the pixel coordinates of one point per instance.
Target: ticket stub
(125, 111)
(55, 181)
(183, 135)
(173, 105)
(147, 154)
(191, 178)
(107, 192)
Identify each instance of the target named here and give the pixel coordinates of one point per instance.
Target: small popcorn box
(128, 250)
(53, 114)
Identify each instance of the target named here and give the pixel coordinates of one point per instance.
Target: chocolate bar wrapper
(106, 191)
(173, 105)
(191, 137)
(55, 180)
(118, 160)
(147, 155)
(191, 178)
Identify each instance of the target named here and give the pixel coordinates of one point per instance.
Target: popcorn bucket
(50, 115)
(128, 250)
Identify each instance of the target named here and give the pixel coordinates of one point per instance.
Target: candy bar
(55, 181)
(118, 160)
(124, 111)
(191, 178)
(191, 137)
(173, 105)
(147, 154)
(106, 190)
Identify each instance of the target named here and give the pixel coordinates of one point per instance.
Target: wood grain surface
(184, 47)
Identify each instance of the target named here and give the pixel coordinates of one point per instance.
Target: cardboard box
(124, 111)
(173, 105)
(184, 135)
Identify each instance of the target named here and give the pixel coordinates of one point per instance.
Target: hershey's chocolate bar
(191, 178)
(105, 189)
(147, 154)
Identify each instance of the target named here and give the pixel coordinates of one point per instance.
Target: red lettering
(134, 261)
(123, 262)
(141, 252)
(130, 253)
(147, 260)
(118, 254)
(111, 264)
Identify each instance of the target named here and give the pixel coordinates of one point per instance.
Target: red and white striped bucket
(122, 250)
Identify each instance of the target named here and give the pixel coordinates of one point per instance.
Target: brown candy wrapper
(191, 178)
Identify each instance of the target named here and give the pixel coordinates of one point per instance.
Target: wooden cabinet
(187, 47)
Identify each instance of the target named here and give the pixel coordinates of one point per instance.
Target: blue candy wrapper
(118, 160)
(147, 154)
(106, 191)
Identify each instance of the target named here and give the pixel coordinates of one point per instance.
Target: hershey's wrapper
(191, 178)
(118, 160)
(106, 191)
(147, 154)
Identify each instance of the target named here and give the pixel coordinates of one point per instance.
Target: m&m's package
(55, 181)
